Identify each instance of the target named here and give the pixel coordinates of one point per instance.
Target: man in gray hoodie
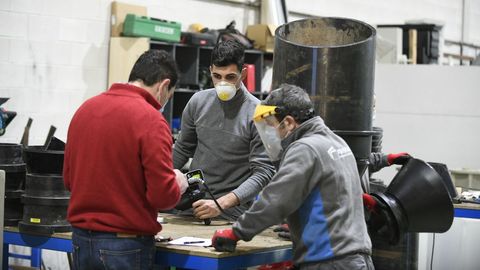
(219, 135)
(316, 188)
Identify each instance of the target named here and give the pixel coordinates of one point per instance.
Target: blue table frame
(34, 241)
(467, 213)
(167, 257)
(227, 263)
(163, 257)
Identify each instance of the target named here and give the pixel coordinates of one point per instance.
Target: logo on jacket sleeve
(338, 153)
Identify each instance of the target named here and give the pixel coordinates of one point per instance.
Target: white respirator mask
(225, 90)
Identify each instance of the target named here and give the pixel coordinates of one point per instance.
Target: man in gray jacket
(218, 133)
(316, 188)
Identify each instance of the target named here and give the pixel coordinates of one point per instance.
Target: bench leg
(36, 260)
(5, 256)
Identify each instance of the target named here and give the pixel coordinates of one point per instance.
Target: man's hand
(203, 209)
(181, 181)
(224, 240)
(398, 158)
(283, 231)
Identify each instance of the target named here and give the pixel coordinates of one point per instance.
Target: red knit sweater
(118, 163)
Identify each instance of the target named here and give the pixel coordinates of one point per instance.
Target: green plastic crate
(141, 26)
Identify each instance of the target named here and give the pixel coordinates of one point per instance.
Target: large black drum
(11, 162)
(333, 59)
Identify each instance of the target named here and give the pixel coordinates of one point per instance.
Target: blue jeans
(102, 250)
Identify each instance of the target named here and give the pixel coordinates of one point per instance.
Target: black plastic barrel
(419, 199)
(46, 199)
(43, 161)
(12, 163)
(333, 59)
(45, 204)
(11, 153)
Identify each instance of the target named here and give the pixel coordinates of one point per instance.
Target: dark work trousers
(349, 262)
(94, 250)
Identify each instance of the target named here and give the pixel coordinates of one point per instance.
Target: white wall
(54, 53)
(431, 112)
(53, 56)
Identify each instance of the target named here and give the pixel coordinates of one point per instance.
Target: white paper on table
(184, 241)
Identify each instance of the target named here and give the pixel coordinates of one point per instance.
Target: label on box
(35, 220)
(164, 30)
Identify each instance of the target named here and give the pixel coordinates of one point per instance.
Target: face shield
(266, 124)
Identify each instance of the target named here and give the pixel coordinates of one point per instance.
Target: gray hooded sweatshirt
(224, 143)
(317, 188)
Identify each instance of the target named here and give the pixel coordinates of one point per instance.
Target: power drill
(193, 193)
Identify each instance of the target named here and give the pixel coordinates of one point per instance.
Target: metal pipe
(462, 37)
(300, 14)
(452, 42)
(251, 4)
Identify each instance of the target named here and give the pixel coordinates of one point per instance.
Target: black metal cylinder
(45, 185)
(43, 161)
(45, 199)
(11, 162)
(10, 153)
(333, 59)
(45, 204)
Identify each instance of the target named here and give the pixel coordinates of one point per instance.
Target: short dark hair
(154, 66)
(291, 100)
(228, 52)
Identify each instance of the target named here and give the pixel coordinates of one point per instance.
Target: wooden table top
(179, 226)
(473, 206)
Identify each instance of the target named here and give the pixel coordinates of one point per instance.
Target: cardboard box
(123, 54)
(143, 26)
(119, 12)
(263, 35)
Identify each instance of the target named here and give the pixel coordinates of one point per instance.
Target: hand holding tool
(193, 192)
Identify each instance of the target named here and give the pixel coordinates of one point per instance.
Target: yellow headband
(262, 111)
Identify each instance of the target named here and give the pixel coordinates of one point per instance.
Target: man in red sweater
(118, 167)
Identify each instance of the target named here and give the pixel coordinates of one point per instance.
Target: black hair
(228, 52)
(290, 100)
(154, 66)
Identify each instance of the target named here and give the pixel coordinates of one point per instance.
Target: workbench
(467, 210)
(263, 249)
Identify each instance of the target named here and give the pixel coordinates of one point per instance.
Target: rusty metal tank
(333, 59)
